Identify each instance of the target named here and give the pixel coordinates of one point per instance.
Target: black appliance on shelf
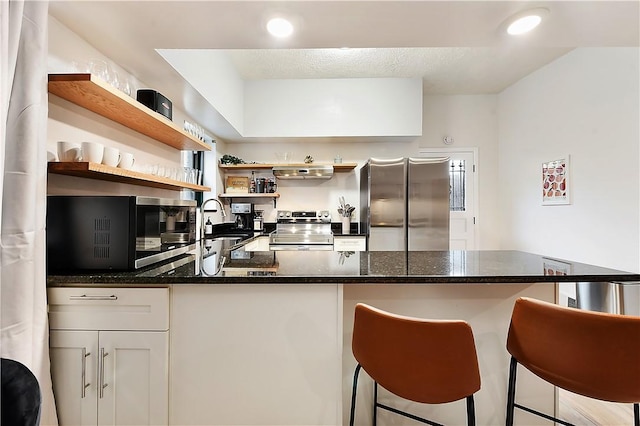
(156, 101)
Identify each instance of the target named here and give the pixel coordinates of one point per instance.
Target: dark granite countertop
(282, 267)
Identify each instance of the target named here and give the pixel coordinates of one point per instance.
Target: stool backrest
(428, 361)
(590, 353)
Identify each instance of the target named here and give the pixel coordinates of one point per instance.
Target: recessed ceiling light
(524, 22)
(279, 27)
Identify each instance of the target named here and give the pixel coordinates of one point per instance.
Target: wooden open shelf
(94, 94)
(252, 196)
(337, 167)
(116, 174)
(249, 195)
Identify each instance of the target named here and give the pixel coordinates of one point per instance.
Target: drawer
(91, 308)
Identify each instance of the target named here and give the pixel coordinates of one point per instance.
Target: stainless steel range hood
(307, 171)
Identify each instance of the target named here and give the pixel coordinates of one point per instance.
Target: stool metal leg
(636, 414)
(471, 411)
(511, 391)
(375, 403)
(353, 395)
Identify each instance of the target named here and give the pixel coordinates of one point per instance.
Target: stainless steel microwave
(117, 232)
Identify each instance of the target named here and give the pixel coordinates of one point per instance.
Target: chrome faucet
(202, 211)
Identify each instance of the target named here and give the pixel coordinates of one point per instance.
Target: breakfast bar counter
(219, 265)
(260, 337)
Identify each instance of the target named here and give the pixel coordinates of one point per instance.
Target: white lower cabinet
(245, 354)
(107, 372)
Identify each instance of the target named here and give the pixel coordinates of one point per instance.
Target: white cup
(92, 152)
(126, 160)
(68, 151)
(111, 156)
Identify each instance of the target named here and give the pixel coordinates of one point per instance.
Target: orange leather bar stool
(589, 353)
(426, 361)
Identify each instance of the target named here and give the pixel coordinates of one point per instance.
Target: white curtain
(23, 92)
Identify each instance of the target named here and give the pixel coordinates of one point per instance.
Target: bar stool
(588, 353)
(426, 361)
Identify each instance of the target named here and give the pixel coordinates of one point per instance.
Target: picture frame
(555, 182)
(237, 185)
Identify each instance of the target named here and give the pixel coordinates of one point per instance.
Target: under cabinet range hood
(310, 171)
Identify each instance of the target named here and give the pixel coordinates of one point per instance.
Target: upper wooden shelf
(116, 174)
(94, 94)
(249, 195)
(338, 167)
(254, 196)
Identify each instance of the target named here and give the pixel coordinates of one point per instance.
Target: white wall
(585, 104)
(333, 107)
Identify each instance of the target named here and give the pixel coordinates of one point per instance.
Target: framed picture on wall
(555, 182)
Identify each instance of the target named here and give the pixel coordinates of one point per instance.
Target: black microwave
(117, 232)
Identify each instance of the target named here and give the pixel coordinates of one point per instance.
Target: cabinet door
(133, 384)
(74, 357)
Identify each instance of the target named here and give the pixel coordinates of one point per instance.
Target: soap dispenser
(208, 227)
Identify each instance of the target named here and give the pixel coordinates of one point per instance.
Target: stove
(302, 230)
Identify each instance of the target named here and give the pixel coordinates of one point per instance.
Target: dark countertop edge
(61, 281)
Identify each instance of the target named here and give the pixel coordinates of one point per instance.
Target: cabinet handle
(85, 385)
(85, 297)
(102, 384)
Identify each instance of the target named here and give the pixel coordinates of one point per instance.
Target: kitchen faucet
(202, 211)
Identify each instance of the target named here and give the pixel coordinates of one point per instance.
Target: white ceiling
(457, 47)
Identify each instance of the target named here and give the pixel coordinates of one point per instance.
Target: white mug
(111, 156)
(68, 151)
(92, 152)
(126, 160)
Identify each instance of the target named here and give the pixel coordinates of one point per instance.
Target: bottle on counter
(252, 184)
(208, 227)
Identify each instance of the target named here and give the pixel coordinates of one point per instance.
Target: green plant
(231, 159)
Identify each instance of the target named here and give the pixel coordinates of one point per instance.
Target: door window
(457, 184)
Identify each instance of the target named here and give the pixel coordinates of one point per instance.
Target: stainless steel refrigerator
(405, 204)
